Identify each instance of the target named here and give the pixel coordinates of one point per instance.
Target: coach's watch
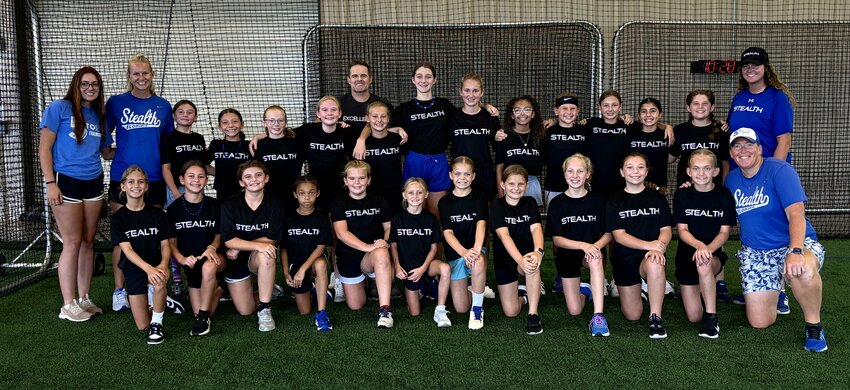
(797, 251)
(541, 251)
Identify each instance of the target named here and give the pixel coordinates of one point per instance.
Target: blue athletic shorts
(434, 169)
(460, 270)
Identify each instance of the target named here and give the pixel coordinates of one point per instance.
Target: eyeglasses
(86, 85)
(527, 110)
(742, 146)
(275, 121)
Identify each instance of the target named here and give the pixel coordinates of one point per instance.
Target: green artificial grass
(41, 351)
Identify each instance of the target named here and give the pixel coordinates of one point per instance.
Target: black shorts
(505, 270)
(155, 195)
(568, 262)
(686, 269)
(626, 270)
(237, 270)
(348, 264)
(417, 285)
(135, 279)
(306, 285)
(194, 276)
(76, 190)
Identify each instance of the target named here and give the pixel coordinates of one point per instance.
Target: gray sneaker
(86, 304)
(265, 320)
(72, 312)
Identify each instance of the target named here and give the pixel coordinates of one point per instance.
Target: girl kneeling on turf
(195, 218)
(414, 235)
(142, 233)
(704, 213)
(576, 223)
(251, 227)
(361, 223)
(308, 233)
(640, 220)
(517, 246)
(463, 215)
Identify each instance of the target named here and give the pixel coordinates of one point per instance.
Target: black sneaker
(710, 328)
(201, 326)
(155, 335)
(656, 327)
(533, 325)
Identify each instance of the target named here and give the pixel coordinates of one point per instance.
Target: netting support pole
(23, 34)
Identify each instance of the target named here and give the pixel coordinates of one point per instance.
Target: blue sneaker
(557, 286)
(782, 305)
(723, 292)
(584, 289)
(323, 322)
(599, 326)
(476, 318)
(739, 300)
(815, 339)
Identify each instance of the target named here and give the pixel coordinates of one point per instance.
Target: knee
(760, 323)
(445, 271)
(320, 267)
(209, 270)
(574, 311)
(354, 305)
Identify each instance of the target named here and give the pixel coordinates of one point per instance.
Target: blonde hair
(703, 152)
(463, 160)
(140, 59)
(131, 169)
(358, 164)
(514, 169)
(328, 98)
(588, 166)
(414, 180)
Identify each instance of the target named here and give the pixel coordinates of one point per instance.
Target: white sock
(478, 299)
(156, 318)
(440, 308)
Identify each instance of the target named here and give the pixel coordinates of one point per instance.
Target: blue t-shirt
(139, 125)
(760, 203)
(80, 161)
(769, 113)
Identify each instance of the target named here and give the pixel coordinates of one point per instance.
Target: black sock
(386, 307)
(810, 325)
(203, 313)
(264, 305)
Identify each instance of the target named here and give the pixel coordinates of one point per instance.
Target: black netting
(811, 57)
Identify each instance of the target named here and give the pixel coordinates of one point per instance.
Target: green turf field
(41, 351)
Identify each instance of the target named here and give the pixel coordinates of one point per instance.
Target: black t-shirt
(238, 220)
(326, 153)
(642, 215)
(195, 224)
(426, 124)
(655, 148)
(522, 149)
(606, 147)
(144, 230)
(364, 218)
(690, 138)
(228, 155)
(461, 216)
(283, 157)
(304, 233)
(561, 142)
(518, 219)
(384, 156)
(473, 136)
(704, 212)
(178, 148)
(414, 234)
(578, 219)
(354, 112)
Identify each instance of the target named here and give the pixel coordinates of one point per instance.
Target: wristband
(541, 251)
(212, 247)
(49, 182)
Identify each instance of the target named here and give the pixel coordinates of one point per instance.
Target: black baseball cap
(755, 56)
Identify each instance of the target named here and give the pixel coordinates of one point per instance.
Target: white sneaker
(607, 287)
(72, 312)
(150, 295)
(265, 320)
(476, 318)
(542, 289)
(385, 319)
(488, 292)
(441, 318)
(339, 291)
(119, 300)
(612, 286)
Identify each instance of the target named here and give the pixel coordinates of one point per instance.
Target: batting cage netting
(252, 54)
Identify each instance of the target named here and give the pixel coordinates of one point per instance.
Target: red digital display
(714, 66)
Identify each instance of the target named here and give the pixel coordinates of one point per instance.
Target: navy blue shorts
(155, 195)
(433, 168)
(416, 286)
(76, 190)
